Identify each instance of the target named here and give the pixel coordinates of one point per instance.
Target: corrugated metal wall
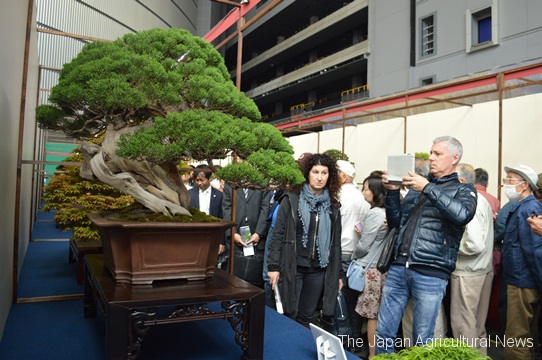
(100, 19)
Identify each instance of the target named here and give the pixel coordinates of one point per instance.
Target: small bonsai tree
(160, 97)
(421, 155)
(336, 154)
(72, 198)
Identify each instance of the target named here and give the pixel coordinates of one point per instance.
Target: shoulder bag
(356, 272)
(384, 263)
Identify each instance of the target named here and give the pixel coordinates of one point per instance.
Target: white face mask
(511, 193)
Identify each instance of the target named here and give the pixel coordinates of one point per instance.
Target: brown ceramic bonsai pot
(140, 253)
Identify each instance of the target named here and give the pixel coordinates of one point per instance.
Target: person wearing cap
(522, 263)
(303, 157)
(354, 208)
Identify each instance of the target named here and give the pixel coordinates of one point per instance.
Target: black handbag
(341, 323)
(249, 268)
(386, 258)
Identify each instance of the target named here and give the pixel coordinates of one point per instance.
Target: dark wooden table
(76, 254)
(131, 310)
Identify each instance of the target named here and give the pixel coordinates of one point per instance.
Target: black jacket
(215, 207)
(440, 226)
(283, 258)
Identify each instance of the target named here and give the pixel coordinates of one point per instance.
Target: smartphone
(244, 231)
(358, 225)
(399, 166)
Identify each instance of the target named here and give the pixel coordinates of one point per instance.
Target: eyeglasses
(507, 181)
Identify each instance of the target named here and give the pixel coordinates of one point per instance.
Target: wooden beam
(43, 67)
(39, 162)
(74, 36)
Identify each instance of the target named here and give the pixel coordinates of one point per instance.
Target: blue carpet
(51, 330)
(47, 272)
(58, 330)
(45, 216)
(47, 230)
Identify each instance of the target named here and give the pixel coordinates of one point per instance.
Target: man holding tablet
(431, 221)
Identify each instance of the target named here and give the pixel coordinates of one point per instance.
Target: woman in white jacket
(372, 234)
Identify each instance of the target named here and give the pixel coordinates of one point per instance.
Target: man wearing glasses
(522, 263)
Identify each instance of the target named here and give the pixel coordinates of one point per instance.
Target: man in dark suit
(205, 197)
(252, 210)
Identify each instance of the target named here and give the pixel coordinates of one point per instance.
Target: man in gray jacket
(473, 276)
(431, 221)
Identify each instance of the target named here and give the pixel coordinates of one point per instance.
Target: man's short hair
(466, 172)
(421, 167)
(454, 146)
(481, 176)
(202, 167)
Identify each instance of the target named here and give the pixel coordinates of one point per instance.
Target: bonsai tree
(159, 97)
(422, 155)
(72, 198)
(336, 154)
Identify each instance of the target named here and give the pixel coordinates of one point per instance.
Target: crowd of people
(450, 234)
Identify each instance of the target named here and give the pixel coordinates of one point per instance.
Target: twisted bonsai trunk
(157, 187)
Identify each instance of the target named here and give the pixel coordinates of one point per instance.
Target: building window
(427, 81)
(428, 36)
(482, 28)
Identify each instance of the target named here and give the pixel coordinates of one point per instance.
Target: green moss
(138, 213)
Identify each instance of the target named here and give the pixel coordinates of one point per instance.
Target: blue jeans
(426, 293)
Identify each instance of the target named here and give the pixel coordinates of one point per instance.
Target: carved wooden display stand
(131, 310)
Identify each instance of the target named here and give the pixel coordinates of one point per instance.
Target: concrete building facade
(307, 55)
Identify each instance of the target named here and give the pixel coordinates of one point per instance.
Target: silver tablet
(399, 166)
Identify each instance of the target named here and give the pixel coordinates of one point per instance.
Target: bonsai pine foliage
(336, 154)
(72, 198)
(160, 97)
(422, 155)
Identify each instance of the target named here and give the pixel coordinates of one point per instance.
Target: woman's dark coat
(282, 256)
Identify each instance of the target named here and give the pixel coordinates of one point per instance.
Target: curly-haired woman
(305, 249)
